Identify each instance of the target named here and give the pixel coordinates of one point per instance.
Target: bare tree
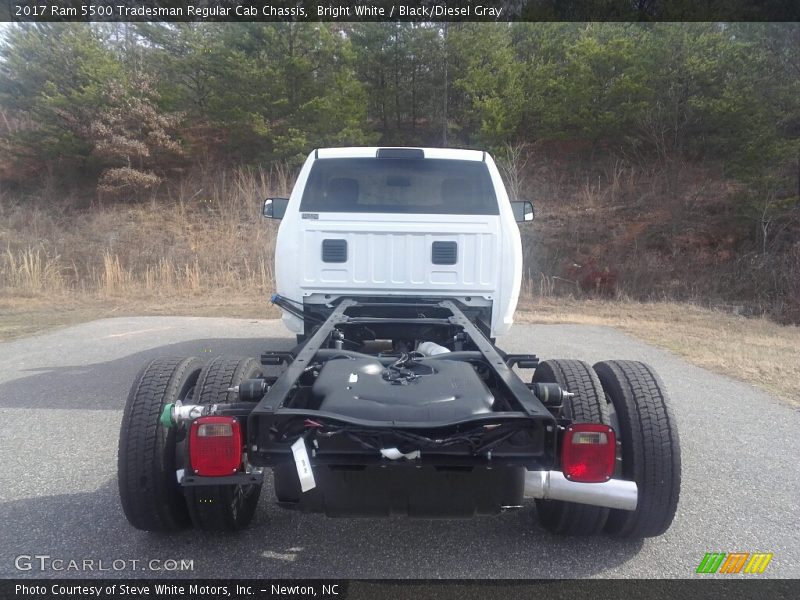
(513, 164)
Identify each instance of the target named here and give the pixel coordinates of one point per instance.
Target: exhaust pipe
(552, 485)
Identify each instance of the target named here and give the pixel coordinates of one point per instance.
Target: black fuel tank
(444, 390)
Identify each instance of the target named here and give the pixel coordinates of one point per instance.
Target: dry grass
(753, 350)
(30, 271)
(199, 247)
(203, 236)
(669, 231)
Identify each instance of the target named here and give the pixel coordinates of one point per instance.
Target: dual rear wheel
(630, 397)
(151, 497)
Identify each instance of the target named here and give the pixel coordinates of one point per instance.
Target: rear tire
(148, 489)
(587, 406)
(223, 507)
(651, 454)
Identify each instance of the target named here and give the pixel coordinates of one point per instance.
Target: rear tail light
(215, 446)
(589, 452)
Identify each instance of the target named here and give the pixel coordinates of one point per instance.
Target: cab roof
(372, 152)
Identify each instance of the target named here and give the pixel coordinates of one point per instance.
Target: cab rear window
(399, 185)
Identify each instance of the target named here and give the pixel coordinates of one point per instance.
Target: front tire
(223, 507)
(588, 405)
(148, 489)
(651, 453)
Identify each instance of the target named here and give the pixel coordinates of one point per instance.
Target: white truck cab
(413, 222)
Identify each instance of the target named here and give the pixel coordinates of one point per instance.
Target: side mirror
(275, 208)
(523, 210)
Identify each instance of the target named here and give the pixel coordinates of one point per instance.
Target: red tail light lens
(215, 446)
(589, 452)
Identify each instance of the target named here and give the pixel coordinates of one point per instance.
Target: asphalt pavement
(61, 400)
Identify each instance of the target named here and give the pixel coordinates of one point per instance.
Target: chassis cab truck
(397, 269)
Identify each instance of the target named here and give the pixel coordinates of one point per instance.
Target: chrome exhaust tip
(552, 485)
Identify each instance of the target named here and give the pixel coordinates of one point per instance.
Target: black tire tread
(150, 496)
(209, 506)
(589, 406)
(650, 447)
(221, 373)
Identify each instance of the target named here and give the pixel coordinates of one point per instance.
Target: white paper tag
(394, 454)
(303, 465)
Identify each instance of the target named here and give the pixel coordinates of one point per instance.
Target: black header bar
(398, 10)
(739, 588)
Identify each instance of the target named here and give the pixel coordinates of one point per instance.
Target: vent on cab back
(444, 253)
(334, 251)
